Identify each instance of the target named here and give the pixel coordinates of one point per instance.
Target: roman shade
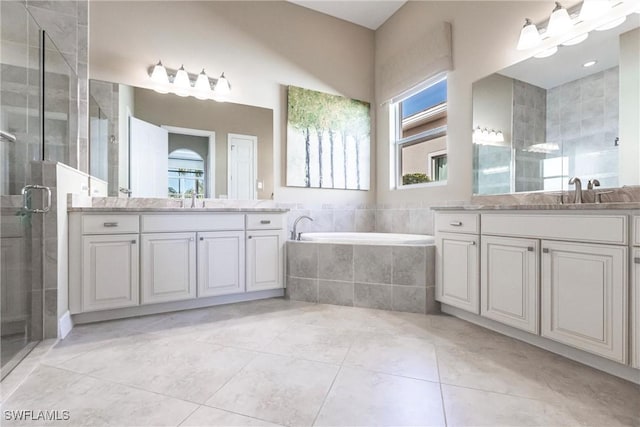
(413, 62)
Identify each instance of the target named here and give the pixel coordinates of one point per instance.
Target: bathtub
(368, 238)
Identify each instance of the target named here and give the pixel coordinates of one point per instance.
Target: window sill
(421, 185)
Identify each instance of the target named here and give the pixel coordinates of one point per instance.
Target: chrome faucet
(578, 196)
(593, 183)
(294, 235)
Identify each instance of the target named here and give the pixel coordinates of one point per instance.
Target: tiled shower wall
(582, 117)
(67, 24)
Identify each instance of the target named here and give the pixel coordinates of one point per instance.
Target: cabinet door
(635, 306)
(220, 263)
(109, 271)
(509, 281)
(584, 297)
(265, 257)
(168, 267)
(457, 265)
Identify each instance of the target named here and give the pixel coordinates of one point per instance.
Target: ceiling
(367, 13)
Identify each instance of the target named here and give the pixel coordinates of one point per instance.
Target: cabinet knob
(636, 260)
(472, 243)
(265, 221)
(249, 237)
(202, 238)
(456, 223)
(530, 249)
(133, 242)
(110, 224)
(545, 250)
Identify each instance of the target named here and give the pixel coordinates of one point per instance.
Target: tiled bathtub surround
(398, 277)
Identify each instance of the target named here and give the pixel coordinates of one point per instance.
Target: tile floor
(279, 362)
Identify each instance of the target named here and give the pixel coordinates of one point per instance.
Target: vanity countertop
(104, 209)
(543, 207)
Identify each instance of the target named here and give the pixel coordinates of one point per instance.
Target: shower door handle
(7, 136)
(26, 190)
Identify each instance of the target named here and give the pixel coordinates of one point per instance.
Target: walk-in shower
(38, 122)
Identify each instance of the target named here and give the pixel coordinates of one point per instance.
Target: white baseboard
(65, 324)
(609, 366)
(143, 310)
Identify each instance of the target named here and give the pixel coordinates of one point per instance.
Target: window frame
(398, 142)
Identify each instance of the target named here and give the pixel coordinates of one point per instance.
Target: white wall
(261, 46)
(629, 108)
(485, 35)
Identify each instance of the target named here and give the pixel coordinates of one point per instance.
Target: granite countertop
(543, 207)
(104, 209)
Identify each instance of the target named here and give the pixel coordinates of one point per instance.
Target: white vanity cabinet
(510, 281)
(266, 238)
(635, 295)
(103, 262)
(457, 269)
(584, 297)
(162, 261)
(168, 267)
(221, 263)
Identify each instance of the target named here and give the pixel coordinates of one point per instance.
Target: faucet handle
(599, 194)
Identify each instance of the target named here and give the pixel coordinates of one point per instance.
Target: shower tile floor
(279, 362)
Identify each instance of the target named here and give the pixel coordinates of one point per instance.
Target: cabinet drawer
(636, 231)
(191, 222)
(265, 221)
(458, 222)
(109, 224)
(611, 229)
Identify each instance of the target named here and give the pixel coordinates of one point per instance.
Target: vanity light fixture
(543, 147)
(559, 21)
(529, 36)
(487, 137)
(589, 63)
(568, 27)
(184, 84)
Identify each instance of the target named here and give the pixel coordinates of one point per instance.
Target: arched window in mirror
(186, 173)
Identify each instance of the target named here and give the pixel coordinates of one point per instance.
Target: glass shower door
(21, 232)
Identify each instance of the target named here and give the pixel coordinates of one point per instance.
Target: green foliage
(414, 178)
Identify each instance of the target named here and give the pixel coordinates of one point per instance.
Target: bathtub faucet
(294, 235)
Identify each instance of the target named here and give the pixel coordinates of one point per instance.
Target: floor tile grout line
(444, 410)
(207, 405)
(189, 415)
(324, 401)
(537, 399)
(254, 357)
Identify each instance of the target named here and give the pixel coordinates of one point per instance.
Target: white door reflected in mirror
(242, 166)
(148, 147)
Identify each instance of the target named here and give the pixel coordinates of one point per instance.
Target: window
(553, 171)
(186, 173)
(420, 134)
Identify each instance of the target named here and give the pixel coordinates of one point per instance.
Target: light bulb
(559, 22)
(612, 24)
(202, 86)
(181, 82)
(160, 78)
(222, 89)
(593, 9)
(529, 36)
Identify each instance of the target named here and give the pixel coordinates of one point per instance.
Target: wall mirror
(543, 120)
(163, 145)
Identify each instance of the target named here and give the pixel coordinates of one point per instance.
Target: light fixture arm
(171, 73)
